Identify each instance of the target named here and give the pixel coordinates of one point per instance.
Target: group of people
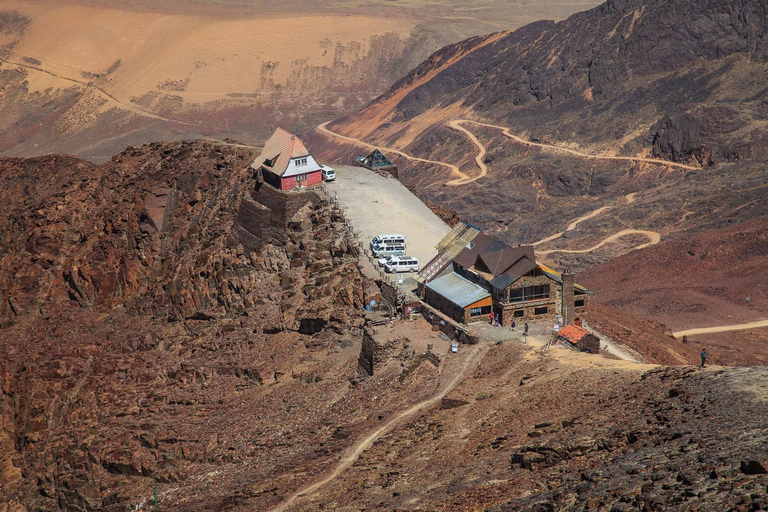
(495, 321)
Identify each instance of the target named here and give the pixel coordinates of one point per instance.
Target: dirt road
(722, 328)
(472, 356)
(456, 125)
(572, 225)
(323, 128)
(505, 131)
(653, 239)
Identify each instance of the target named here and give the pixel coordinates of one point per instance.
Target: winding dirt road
(324, 129)
(463, 179)
(505, 131)
(653, 239)
(572, 225)
(722, 328)
(354, 452)
(456, 125)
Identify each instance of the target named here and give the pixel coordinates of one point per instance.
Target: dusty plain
(90, 77)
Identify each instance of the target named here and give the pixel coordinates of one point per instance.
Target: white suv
(402, 264)
(327, 173)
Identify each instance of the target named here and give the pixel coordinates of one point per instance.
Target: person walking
(512, 325)
(490, 317)
(525, 329)
(703, 357)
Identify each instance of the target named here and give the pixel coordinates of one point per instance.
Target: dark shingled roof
(468, 256)
(513, 273)
(506, 264)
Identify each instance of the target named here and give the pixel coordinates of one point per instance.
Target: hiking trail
(354, 451)
(324, 129)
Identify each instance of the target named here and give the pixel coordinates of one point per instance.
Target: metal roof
(458, 290)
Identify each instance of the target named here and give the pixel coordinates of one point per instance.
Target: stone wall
(553, 303)
(447, 326)
(284, 205)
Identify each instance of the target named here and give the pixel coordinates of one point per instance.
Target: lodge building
(475, 274)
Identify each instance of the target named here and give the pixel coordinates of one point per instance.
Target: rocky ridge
(142, 305)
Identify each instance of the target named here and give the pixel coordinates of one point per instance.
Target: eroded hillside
(88, 77)
(649, 114)
(168, 326)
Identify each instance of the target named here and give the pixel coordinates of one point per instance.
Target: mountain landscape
(89, 77)
(176, 335)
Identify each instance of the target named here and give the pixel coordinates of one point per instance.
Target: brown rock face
(144, 301)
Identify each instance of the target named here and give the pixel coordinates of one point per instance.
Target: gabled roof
(513, 273)
(573, 333)
(458, 290)
(278, 151)
(499, 257)
(468, 256)
(506, 264)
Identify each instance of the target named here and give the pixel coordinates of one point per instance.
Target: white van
(383, 250)
(402, 264)
(383, 261)
(388, 239)
(327, 173)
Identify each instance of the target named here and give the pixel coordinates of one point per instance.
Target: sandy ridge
(354, 452)
(89, 85)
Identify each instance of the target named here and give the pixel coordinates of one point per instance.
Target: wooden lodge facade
(475, 274)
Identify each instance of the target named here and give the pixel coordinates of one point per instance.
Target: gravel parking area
(376, 204)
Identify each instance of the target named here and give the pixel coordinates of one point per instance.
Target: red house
(285, 162)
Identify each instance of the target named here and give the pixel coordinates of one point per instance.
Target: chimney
(567, 310)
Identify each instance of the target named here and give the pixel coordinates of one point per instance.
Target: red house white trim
(285, 162)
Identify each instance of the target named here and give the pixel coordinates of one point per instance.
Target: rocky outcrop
(145, 295)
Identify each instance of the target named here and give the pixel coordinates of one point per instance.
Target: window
(301, 161)
(541, 311)
(485, 310)
(529, 293)
(579, 303)
(518, 313)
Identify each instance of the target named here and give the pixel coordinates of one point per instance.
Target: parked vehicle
(388, 239)
(327, 173)
(384, 250)
(402, 264)
(383, 261)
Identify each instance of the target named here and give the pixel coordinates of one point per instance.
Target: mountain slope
(665, 79)
(89, 77)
